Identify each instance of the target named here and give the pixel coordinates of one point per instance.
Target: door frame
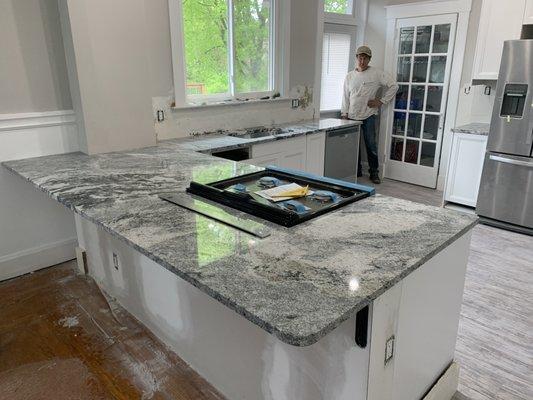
(423, 9)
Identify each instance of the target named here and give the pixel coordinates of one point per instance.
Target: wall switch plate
(295, 103)
(389, 349)
(115, 261)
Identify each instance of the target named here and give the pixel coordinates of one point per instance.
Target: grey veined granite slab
(475, 128)
(298, 284)
(210, 142)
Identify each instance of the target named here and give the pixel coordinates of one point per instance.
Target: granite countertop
(207, 143)
(298, 284)
(475, 128)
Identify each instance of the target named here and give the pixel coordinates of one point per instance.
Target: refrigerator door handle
(511, 161)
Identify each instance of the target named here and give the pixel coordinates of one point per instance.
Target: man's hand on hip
(374, 103)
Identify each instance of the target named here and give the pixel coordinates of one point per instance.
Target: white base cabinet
(304, 153)
(464, 169)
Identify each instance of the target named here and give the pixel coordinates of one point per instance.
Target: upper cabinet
(499, 21)
(528, 14)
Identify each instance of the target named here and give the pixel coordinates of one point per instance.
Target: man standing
(359, 103)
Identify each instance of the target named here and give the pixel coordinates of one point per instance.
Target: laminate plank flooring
(495, 339)
(60, 338)
(419, 194)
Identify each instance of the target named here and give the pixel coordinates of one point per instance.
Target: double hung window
(338, 47)
(227, 48)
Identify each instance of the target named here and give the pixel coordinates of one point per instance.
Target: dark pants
(368, 130)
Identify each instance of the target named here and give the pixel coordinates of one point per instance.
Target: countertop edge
(298, 341)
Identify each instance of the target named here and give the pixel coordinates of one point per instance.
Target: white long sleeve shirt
(359, 87)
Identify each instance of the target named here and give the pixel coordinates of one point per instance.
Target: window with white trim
(224, 49)
(338, 46)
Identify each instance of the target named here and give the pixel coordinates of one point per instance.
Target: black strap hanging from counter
(361, 327)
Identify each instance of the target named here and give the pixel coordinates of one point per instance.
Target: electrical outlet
(295, 103)
(115, 261)
(160, 115)
(389, 349)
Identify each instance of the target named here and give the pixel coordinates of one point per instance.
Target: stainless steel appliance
(342, 152)
(506, 191)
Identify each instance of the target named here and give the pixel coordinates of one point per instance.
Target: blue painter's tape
(370, 190)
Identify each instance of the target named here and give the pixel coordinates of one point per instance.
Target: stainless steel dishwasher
(342, 153)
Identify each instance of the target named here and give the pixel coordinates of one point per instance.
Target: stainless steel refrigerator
(506, 191)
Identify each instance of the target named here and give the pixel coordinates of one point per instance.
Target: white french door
(424, 50)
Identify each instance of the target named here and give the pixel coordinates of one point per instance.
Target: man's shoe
(375, 179)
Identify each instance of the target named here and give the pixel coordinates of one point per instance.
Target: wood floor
(60, 338)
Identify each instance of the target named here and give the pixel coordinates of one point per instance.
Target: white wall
(32, 64)
(35, 231)
(108, 65)
(474, 105)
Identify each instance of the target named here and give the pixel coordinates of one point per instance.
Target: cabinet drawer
(279, 146)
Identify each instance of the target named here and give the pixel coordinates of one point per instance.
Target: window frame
(350, 30)
(182, 99)
(338, 18)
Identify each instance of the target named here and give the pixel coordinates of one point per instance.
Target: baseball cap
(364, 50)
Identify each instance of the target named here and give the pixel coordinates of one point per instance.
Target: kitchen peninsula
(284, 317)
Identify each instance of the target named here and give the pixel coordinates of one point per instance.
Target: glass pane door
(423, 61)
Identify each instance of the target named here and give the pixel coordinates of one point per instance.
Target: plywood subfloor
(61, 339)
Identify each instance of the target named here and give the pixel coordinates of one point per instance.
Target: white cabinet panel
(528, 14)
(286, 153)
(316, 147)
(499, 21)
(304, 153)
(464, 168)
(263, 161)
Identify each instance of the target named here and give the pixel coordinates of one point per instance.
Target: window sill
(230, 103)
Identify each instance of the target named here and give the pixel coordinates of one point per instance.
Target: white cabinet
(304, 153)
(316, 148)
(528, 14)
(499, 21)
(464, 169)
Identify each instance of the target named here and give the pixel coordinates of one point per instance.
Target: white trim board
(27, 135)
(33, 259)
(9, 122)
(423, 8)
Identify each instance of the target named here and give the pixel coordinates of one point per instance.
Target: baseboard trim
(446, 386)
(33, 259)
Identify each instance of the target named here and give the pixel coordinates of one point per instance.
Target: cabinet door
(316, 147)
(287, 153)
(499, 21)
(464, 168)
(263, 161)
(528, 14)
